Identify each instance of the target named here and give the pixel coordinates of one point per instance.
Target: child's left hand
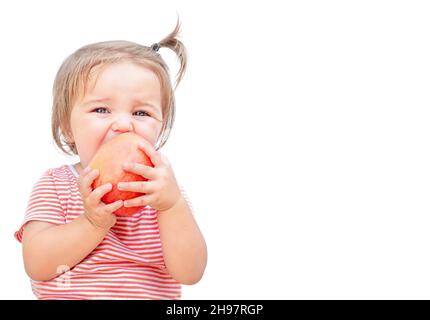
(161, 190)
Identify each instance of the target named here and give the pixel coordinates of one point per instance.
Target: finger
(86, 182)
(164, 159)
(138, 201)
(150, 151)
(140, 169)
(135, 186)
(95, 197)
(86, 171)
(111, 207)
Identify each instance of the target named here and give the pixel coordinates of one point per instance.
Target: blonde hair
(81, 66)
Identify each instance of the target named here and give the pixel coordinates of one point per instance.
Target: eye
(100, 110)
(141, 113)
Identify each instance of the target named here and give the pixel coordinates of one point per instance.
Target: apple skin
(109, 159)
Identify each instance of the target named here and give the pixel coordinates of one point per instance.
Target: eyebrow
(134, 101)
(96, 100)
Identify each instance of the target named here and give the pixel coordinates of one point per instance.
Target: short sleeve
(187, 199)
(44, 204)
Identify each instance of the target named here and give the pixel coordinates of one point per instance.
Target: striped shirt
(127, 264)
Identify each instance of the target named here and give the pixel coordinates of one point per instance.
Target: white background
(301, 137)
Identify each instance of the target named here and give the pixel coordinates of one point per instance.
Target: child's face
(131, 102)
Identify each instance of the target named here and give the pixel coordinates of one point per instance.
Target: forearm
(63, 245)
(184, 247)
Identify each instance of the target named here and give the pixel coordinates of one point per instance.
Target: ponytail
(173, 43)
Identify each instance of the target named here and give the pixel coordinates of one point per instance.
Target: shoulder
(55, 182)
(62, 173)
(186, 197)
(59, 175)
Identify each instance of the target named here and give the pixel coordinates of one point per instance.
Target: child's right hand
(97, 212)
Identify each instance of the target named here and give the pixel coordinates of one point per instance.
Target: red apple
(109, 160)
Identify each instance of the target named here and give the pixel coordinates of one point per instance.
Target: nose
(122, 124)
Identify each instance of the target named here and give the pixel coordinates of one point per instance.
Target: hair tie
(155, 47)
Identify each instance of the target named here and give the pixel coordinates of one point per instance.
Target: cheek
(150, 130)
(87, 134)
(83, 119)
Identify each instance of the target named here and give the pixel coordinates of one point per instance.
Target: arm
(184, 247)
(46, 247)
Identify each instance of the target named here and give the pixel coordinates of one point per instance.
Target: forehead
(123, 77)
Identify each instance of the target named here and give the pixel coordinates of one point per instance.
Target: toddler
(74, 247)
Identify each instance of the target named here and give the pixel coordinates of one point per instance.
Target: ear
(68, 136)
